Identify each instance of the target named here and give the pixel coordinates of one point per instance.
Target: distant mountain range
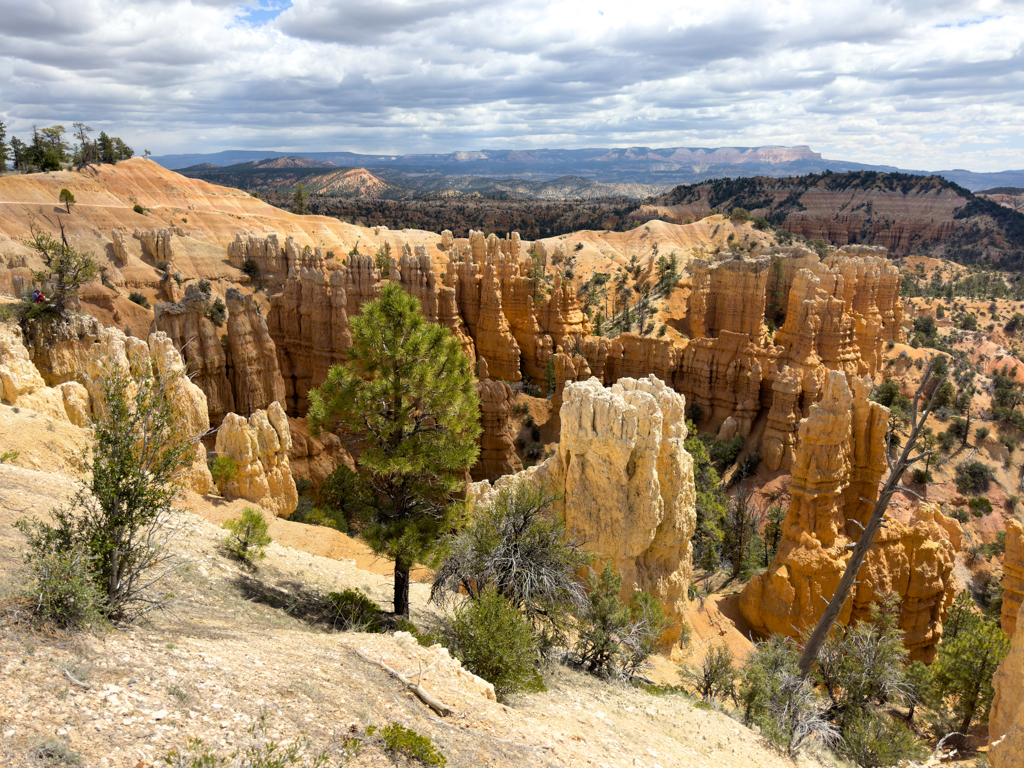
(659, 168)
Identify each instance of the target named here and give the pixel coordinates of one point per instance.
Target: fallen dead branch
(73, 681)
(431, 701)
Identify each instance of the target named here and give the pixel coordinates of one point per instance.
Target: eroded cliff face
(837, 466)
(78, 398)
(626, 484)
(259, 446)
(1013, 577)
(186, 325)
(252, 362)
(1006, 719)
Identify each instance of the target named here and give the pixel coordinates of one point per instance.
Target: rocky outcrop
(314, 458)
(626, 484)
(260, 446)
(836, 469)
(158, 243)
(266, 252)
(22, 385)
(1006, 718)
(60, 349)
(252, 363)
(494, 339)
(497, 440)
(186, 325)
(1013, 577)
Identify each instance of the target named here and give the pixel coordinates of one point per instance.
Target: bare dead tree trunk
(867, 538)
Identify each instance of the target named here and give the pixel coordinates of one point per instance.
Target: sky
(922, 84)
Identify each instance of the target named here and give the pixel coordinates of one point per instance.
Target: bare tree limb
(860, 551)
(434, 703)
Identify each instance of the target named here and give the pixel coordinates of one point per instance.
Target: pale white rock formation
(22, 385)
(80, 401)
(259, 446)
(626, 483)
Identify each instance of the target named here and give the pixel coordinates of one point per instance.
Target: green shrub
(138, 208)
(761, 223)
(248, 536)
(205, 287)
(980, 506)
(224, 469)
(61, 588)
(251, 268)
(973, 477)
(355, 612)
(259, 751)
(740, 214)
(139, 299)
(217, 312)
(946, 440)
(118, 517)
(398, 740)
(55, 752)
(981, 433)
(615, 639)
(713, 677)
(775, 696)
(517, 545)
(495, 641)
(875, 740)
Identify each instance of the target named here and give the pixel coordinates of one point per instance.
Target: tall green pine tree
(407, 399)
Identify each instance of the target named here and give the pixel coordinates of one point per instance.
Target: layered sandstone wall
(837, 466)
(186, 325)
(251, 359)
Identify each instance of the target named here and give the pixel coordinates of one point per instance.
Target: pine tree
(964, 669)
(4, 152)
(406, 398)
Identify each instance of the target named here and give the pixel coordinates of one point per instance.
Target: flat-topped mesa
(252, 362)
(625, 484)
(1013, 577)
(309, 325)
(497, 440)
(729, 296)
(186, 325)
(836, 470)
(260, 446)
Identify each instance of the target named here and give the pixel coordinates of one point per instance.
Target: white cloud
(919, 84)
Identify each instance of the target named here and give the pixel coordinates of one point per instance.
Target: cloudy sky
(926, 84)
